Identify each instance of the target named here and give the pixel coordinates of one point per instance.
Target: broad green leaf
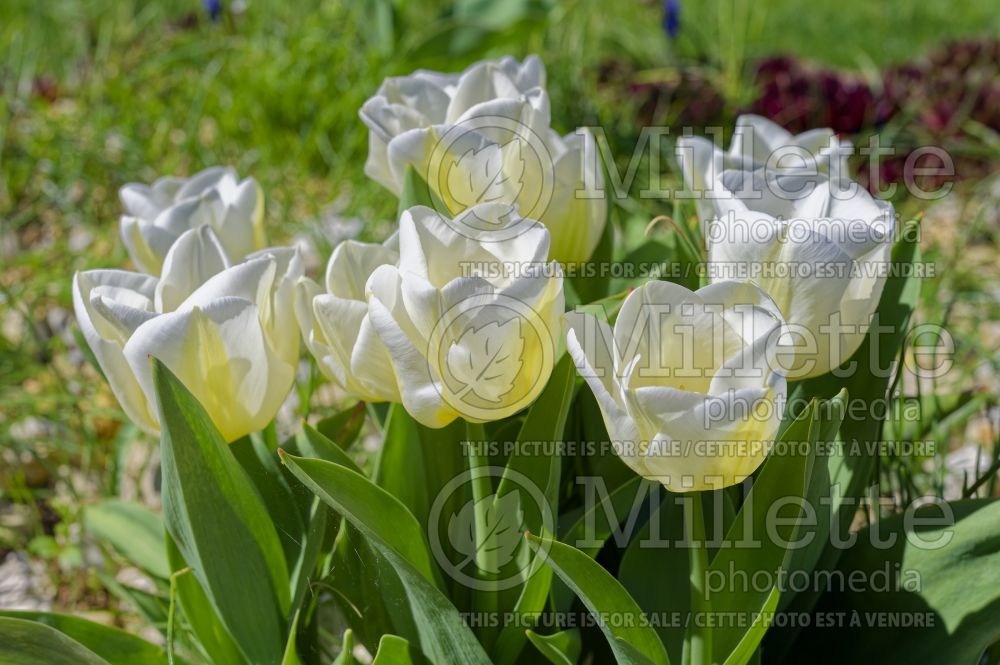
(912, 574)
(25, 642)
(201, 617)
(393, 650)
(414, 465)
(530, 603)
(112, 644)
(291, 656)
(610, 514)
(312, 549)
(391, 529)
(133, 530)
(756, 540)
(220, 525)
(830, 414)
(497, 15)
(416, 462)
(361, 580)
(401, 467)
(361, 593)
(562, 648)
(666, 592)
(313, 444)
(747, 646)
(606, 515)
(604, 597)
(373, 511)
(261, 464)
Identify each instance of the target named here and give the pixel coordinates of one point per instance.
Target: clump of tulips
(555, 437)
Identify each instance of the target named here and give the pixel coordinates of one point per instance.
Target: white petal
(757, 137)
(194, 258)
(204, 180)
(240, 226)
(221, 354)
(146, 243)
(352, 263)
(106, 340)
(420, 392)
(590, 343)
(143, 201)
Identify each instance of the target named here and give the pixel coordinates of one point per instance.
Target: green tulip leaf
(938, 578)
(393, 531)
(24, 642)
(562, 648)
(604, 596)
(133, 530)
(107, 642)
(393, 650)
(220, 525)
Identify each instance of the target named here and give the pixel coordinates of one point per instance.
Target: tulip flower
(685, 382)
(757, 142)
(471, 315)
(335, 324)
(157, 215)
(484, 136)
(226, 332)
(821, 250)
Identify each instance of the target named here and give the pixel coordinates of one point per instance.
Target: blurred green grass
(96, 93)
(850, 34)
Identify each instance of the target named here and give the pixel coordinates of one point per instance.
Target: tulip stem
(482, 496)
(698, 643)
(482, 486)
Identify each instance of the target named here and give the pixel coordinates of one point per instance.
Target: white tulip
(821, 253)
(484, 136)
(226, 332)
(685, 380)
(157, 215)
(335, 325)
(757, 142)
(471, 315)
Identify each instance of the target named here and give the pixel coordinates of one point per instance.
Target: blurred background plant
(95, 93)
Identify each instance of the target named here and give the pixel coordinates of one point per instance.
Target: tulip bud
(685, 382)
(229, 339)
(484, 136)
(157, 215)
(821, 250)
(471, 315)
